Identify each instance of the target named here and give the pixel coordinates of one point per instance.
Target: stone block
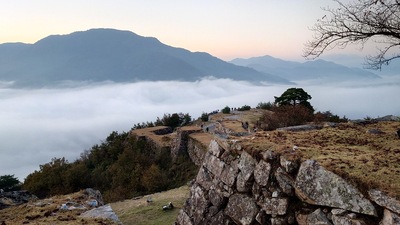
(288, 165)
(213, 164)
(204, 178)
(242, 209)
(261, 217)
(344, 220)
(285, 182)
(216, 198)
(316, 217)
(318, 186)
(278, 221)
(229, 174)
(262, 172)
(246, 175)
(390, 218)
(199, 203)
(215, 149)
(275, 206)
(384, 200)
(183, 219)
(269, 155)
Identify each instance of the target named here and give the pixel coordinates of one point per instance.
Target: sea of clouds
(40, 124)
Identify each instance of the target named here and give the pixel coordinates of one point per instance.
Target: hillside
(112, 55)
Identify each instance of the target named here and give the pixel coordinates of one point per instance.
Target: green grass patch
(139, 212)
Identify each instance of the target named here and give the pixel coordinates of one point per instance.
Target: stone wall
(180, 145)
(234, 187)
(153, 137)
(196, 149)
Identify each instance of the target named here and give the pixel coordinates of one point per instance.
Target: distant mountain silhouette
(318, 70)
(108, 54)
(353, 60)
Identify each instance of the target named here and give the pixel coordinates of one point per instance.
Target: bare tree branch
(357, 23)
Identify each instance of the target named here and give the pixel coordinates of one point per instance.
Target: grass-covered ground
(364, 159)
(139, 212)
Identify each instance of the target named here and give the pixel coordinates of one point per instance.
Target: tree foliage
(226, 110)
(176, 120)
(293, 97)
(265, 105)
(120, 167)
(357, 22)
(327, 116)
(244, 108)
(204, 117)
(290, 109)
(172, 120)
(9, 183)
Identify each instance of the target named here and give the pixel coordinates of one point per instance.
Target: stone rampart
(234, 187)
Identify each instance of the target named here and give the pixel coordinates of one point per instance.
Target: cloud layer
(37, 125)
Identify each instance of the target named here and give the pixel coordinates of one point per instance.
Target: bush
(244, 108)
(285, 115)
(270, 121)
(121, 167)
(9, 183)
(327, 116)
(175, 120)
(204, 117)
(265, 105)
(226, 110)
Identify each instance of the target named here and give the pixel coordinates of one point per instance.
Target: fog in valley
(40, 124)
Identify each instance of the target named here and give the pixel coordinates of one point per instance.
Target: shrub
(226, 110)
(204, 117)
(9, 183)
(265, 105)
(286, 115)
(327, 116)
(244, 108)
(269, 121)
(175, 120)
(121, 167)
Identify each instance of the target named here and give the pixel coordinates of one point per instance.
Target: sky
(227, 29)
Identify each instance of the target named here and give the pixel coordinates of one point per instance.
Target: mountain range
(317, 70)
(122, 56)
(108, 54)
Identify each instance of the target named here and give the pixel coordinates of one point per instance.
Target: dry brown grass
(249, 115)
(190, 128)
(366, 160)
(160, 140)
(46, 211)
(203, 138)
(233, 125)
